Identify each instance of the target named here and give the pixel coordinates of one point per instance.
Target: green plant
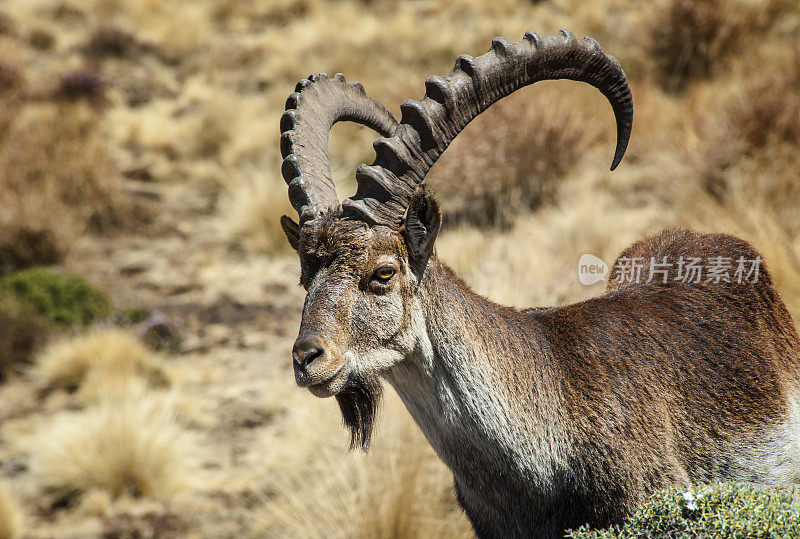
(720, 510)
(63, 299)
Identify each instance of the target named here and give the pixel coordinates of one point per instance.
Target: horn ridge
(429, 125)
(317, 103)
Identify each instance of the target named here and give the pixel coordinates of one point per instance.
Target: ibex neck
(480, 383)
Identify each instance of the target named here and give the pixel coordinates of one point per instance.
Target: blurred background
(148, 299)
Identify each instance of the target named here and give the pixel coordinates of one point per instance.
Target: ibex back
(548, 418)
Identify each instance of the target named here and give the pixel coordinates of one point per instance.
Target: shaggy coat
(551, 418)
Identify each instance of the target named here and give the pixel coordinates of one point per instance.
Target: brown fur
(550, 418)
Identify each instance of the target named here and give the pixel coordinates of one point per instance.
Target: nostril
(305, 354)
(311, 355)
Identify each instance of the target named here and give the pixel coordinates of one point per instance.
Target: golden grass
(99, 364)
(131, 446)
(399, 490)
(252, 214)
(10, 514)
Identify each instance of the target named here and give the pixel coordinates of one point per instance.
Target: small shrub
(7, 25)
(512, 160)
(109, 358)
(61, 298)
(10, 515)
(25, 247)
(157, 331)
(161, 333)
(721, 510)
(130, 315)
(688, 40)
(82, 85)
(41, 39)
(57, 182)
(11, 78)
(769, 110)
(110, 41)
(121, 446)
(22, 333)
(66, 12)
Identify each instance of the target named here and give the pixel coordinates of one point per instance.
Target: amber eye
(384, 273)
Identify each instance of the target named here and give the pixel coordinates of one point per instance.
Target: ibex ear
(423, 221)
(292, 231)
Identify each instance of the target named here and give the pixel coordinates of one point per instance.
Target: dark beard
(359, 405)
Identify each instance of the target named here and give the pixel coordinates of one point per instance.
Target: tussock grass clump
(56, 182)
(61, 298)
(129, 447)
(10, 515)
(689, 40)
(512, 159)
(22, 333)
(721, 510)
(98, 364)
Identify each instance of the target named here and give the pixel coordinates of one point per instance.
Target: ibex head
(364, 260)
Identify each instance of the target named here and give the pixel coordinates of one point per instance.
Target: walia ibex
(549, 417)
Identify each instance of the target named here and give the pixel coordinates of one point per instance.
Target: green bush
(22, 332)
(719, 510)
(62, 299)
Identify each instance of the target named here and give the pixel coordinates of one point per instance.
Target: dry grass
(767, 112)
(690, 40)
(22, 333)
(253, 212)
(514, 156)
(191, 93)
(131, 446)
(741, 139)
(10, 514)
(399, 490)
(56, 182)
(99, 364)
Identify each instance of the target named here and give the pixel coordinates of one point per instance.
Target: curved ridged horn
(429, 126)
(317, 103)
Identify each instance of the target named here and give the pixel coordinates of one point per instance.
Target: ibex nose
(305, 353)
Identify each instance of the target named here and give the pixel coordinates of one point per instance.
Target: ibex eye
(384, 273)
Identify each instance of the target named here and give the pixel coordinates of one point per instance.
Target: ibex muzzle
(549, 418)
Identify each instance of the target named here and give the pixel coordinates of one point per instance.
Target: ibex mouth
(328, 386)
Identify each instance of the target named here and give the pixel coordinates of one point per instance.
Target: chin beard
(359, 402)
